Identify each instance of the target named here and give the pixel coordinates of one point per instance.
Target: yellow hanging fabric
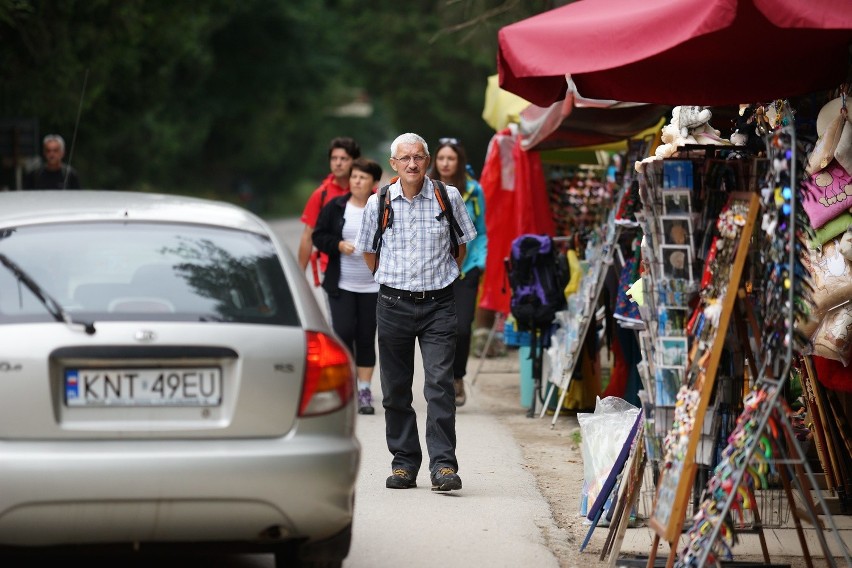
(575, 270)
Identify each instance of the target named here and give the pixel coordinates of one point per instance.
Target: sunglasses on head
(448, 140)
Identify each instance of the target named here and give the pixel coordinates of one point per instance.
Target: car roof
(37, 207)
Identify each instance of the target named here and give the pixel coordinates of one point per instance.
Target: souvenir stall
(581, 184)
(589, 203)
(745, 317)
(601, 239)
(728, 384)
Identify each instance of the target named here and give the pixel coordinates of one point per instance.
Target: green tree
(175, 93)
(196, 98)
(140, 63)
(427, 63)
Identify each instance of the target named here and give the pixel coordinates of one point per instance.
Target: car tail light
(329, 383)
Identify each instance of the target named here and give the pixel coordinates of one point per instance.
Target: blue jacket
(477, 249)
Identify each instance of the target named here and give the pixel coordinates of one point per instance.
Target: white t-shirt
(354, 274)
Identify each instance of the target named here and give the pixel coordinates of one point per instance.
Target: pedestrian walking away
(53, 174)
(450, 166)
(351, 289)
(415, 253)
(341, 152)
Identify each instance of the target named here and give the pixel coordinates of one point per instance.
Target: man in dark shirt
(53, 174)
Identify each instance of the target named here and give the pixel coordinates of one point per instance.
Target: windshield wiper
(54, 307)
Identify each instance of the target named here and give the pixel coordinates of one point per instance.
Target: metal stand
(796, 469)
(585, 322)
(499, 321)
(537, 354)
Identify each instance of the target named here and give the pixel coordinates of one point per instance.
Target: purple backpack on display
(538, 274)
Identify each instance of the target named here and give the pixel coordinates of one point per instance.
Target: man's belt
(417, 296)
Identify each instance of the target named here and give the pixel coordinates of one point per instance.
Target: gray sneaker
(365, 402)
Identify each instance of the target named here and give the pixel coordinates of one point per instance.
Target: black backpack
(538, 274)
(386, 218)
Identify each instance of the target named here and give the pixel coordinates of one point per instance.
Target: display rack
(676, 480)
(615, 227)
(760, 425)
(768, 413)
(572, 355)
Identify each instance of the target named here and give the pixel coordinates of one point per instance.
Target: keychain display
(750, 451)
(746, 463)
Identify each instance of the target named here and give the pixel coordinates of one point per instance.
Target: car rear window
(144, 271)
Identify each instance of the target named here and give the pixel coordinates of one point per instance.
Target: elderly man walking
(415, 267)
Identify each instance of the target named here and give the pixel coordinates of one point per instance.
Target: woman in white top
(352, 291)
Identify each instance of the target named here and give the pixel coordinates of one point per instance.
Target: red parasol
(699, 52)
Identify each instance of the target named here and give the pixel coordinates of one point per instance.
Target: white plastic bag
(604, 433)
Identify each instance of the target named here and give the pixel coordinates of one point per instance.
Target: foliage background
(216, 97)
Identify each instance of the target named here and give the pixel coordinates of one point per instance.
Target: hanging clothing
(513, 182)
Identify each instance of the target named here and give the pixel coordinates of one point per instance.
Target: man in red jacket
(341, 153)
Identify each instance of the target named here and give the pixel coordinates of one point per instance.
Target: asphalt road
(497, 519)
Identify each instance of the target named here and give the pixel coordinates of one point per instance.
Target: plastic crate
(513, 337)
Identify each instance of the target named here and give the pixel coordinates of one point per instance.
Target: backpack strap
(447, 211)
(385, 220)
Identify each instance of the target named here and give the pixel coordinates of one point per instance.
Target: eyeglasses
(417, 159)
(448, 141)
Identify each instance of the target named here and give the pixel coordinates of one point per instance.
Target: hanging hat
(835, 137)
(829, 112)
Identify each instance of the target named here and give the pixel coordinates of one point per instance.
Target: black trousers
(353, 318)
(432, 325)
(465, 290)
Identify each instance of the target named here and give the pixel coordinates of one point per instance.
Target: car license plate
(197, 386)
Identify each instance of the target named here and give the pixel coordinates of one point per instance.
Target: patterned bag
(833, 339)
(827, 194)
(831, 276)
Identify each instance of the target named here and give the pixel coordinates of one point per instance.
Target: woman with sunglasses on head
(450, 167)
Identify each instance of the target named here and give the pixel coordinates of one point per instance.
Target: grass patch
(576, 437)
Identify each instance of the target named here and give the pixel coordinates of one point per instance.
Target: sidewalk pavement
(499, 518)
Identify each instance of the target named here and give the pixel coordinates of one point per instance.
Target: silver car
(167, 377)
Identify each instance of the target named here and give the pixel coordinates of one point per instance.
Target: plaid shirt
(415, 253)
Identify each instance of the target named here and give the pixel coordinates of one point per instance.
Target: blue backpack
(538, 274)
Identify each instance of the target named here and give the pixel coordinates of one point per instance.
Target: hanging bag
(835, 137)
(538, 275)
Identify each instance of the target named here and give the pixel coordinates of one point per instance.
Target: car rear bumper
(91, 492)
